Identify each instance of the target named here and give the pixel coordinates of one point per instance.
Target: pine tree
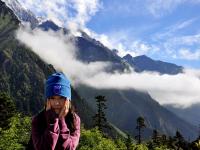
(199, 133)
(139, 127)
(100, 117)
(155, 136)
(164, 139)
(128, 142)
(7, 109)
(180, 141)
(158, 139)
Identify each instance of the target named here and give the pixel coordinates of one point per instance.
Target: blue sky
(172, 30)
(166, 30)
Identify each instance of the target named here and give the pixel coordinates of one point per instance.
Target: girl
(57, 127)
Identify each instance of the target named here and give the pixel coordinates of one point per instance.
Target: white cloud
(68, 13)
(183, 24)
(186, 40)
(187, 54)
(159, 8)
(179, 46)
(112, 41)
(124, 43)
(171, 31)
(140, 47)
(156, 8)
(193, 72)
(58, 50)
(54, 48)
(182, 47)
(166, 89)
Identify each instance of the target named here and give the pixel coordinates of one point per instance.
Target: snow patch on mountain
(22, 13)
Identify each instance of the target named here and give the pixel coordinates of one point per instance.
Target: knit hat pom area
(58, 85)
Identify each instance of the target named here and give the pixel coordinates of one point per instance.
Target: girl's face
(58, 102)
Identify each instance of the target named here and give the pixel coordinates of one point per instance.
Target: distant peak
(115, 51)
(2, 3)
(48, 21)
(143, 57)
(128, 56)
(49, 24)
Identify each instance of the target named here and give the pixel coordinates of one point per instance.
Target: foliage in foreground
(94, 140)
(17, 135)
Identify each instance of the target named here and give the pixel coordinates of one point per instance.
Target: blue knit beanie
(58, 84)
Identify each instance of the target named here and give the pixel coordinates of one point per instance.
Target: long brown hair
(70, 118)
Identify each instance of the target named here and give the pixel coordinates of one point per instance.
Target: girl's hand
(50, 114)
(64, 110)
(48, 105)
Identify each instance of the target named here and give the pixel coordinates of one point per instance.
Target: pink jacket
(51, 133)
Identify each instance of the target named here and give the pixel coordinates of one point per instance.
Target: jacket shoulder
(39, 119)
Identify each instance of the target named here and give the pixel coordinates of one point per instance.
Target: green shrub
(17, 136)
(93, 140)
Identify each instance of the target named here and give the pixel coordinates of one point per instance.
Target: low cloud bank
(60, 51)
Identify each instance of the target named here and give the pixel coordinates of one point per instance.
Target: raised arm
(47, 139)
(67, 140)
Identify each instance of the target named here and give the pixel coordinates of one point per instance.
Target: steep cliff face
(22, 14)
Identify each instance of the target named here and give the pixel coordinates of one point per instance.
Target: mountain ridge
(144, 63)
(22, 14)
